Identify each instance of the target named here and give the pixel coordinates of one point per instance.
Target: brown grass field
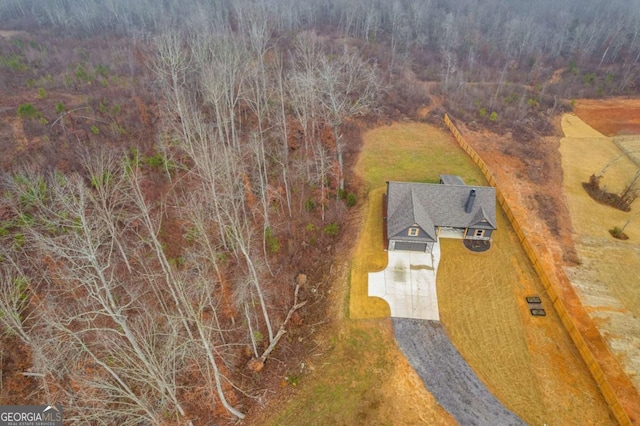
(529, 363)
(607, 278)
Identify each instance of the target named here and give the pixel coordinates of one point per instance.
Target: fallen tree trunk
(256, 364)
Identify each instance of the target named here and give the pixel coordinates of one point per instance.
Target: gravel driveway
(447, 376)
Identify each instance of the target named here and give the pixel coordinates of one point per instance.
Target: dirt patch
(601, 196)
(610, 117)
(530, 175)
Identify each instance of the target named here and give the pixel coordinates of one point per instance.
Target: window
(413, 232)
(478, 233)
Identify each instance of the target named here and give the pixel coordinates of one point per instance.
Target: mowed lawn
(529, 363)
(362, 378)
(411, 152)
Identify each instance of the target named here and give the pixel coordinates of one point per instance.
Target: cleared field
(363, 380)
(607, 279)
(412, 152)
(529, 363)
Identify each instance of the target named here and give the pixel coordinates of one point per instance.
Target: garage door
(404, 245)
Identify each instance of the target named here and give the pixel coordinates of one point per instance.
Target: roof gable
(432, 205)
(422, 217)
(413, 212)
(482, 219)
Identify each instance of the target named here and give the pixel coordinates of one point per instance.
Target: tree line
(600, 32)
(496, 56)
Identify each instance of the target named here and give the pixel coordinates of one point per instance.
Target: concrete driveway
(408, 284)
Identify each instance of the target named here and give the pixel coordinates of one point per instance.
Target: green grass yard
(529, 363)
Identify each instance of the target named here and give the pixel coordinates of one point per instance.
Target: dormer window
(414, 232)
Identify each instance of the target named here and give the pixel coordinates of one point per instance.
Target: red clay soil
(530, 175)
(611, 117)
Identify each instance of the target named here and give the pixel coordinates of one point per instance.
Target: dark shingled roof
(433, 205)
(401, 218)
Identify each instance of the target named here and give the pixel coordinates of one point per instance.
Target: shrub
(28, 111)
(82, 74)
(115, 109)
(13, 62)
(493, 116)
(95, 130)
(102, 70)
(351, 199)
(60, 108)
(609, 78)
(156, 161)
(573, 68)
(19, 240)
(272, 241)
(292, 380)
(309, 205)
(589, 79)
(618, 233)
(101, 180)
(332, 229)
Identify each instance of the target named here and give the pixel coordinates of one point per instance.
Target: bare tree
(178, 288)
(349, 87)
(630, 192)
(69, 230)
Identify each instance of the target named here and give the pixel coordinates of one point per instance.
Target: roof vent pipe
(472, 198)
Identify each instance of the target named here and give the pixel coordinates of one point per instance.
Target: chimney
(472, 198)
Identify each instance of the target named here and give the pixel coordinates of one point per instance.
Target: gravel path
(447, 376)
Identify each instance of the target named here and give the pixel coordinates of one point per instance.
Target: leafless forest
(170, 167)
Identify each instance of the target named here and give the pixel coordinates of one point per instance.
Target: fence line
(601, 372)
(631, 155)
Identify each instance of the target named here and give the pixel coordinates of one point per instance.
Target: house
(417, 214)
